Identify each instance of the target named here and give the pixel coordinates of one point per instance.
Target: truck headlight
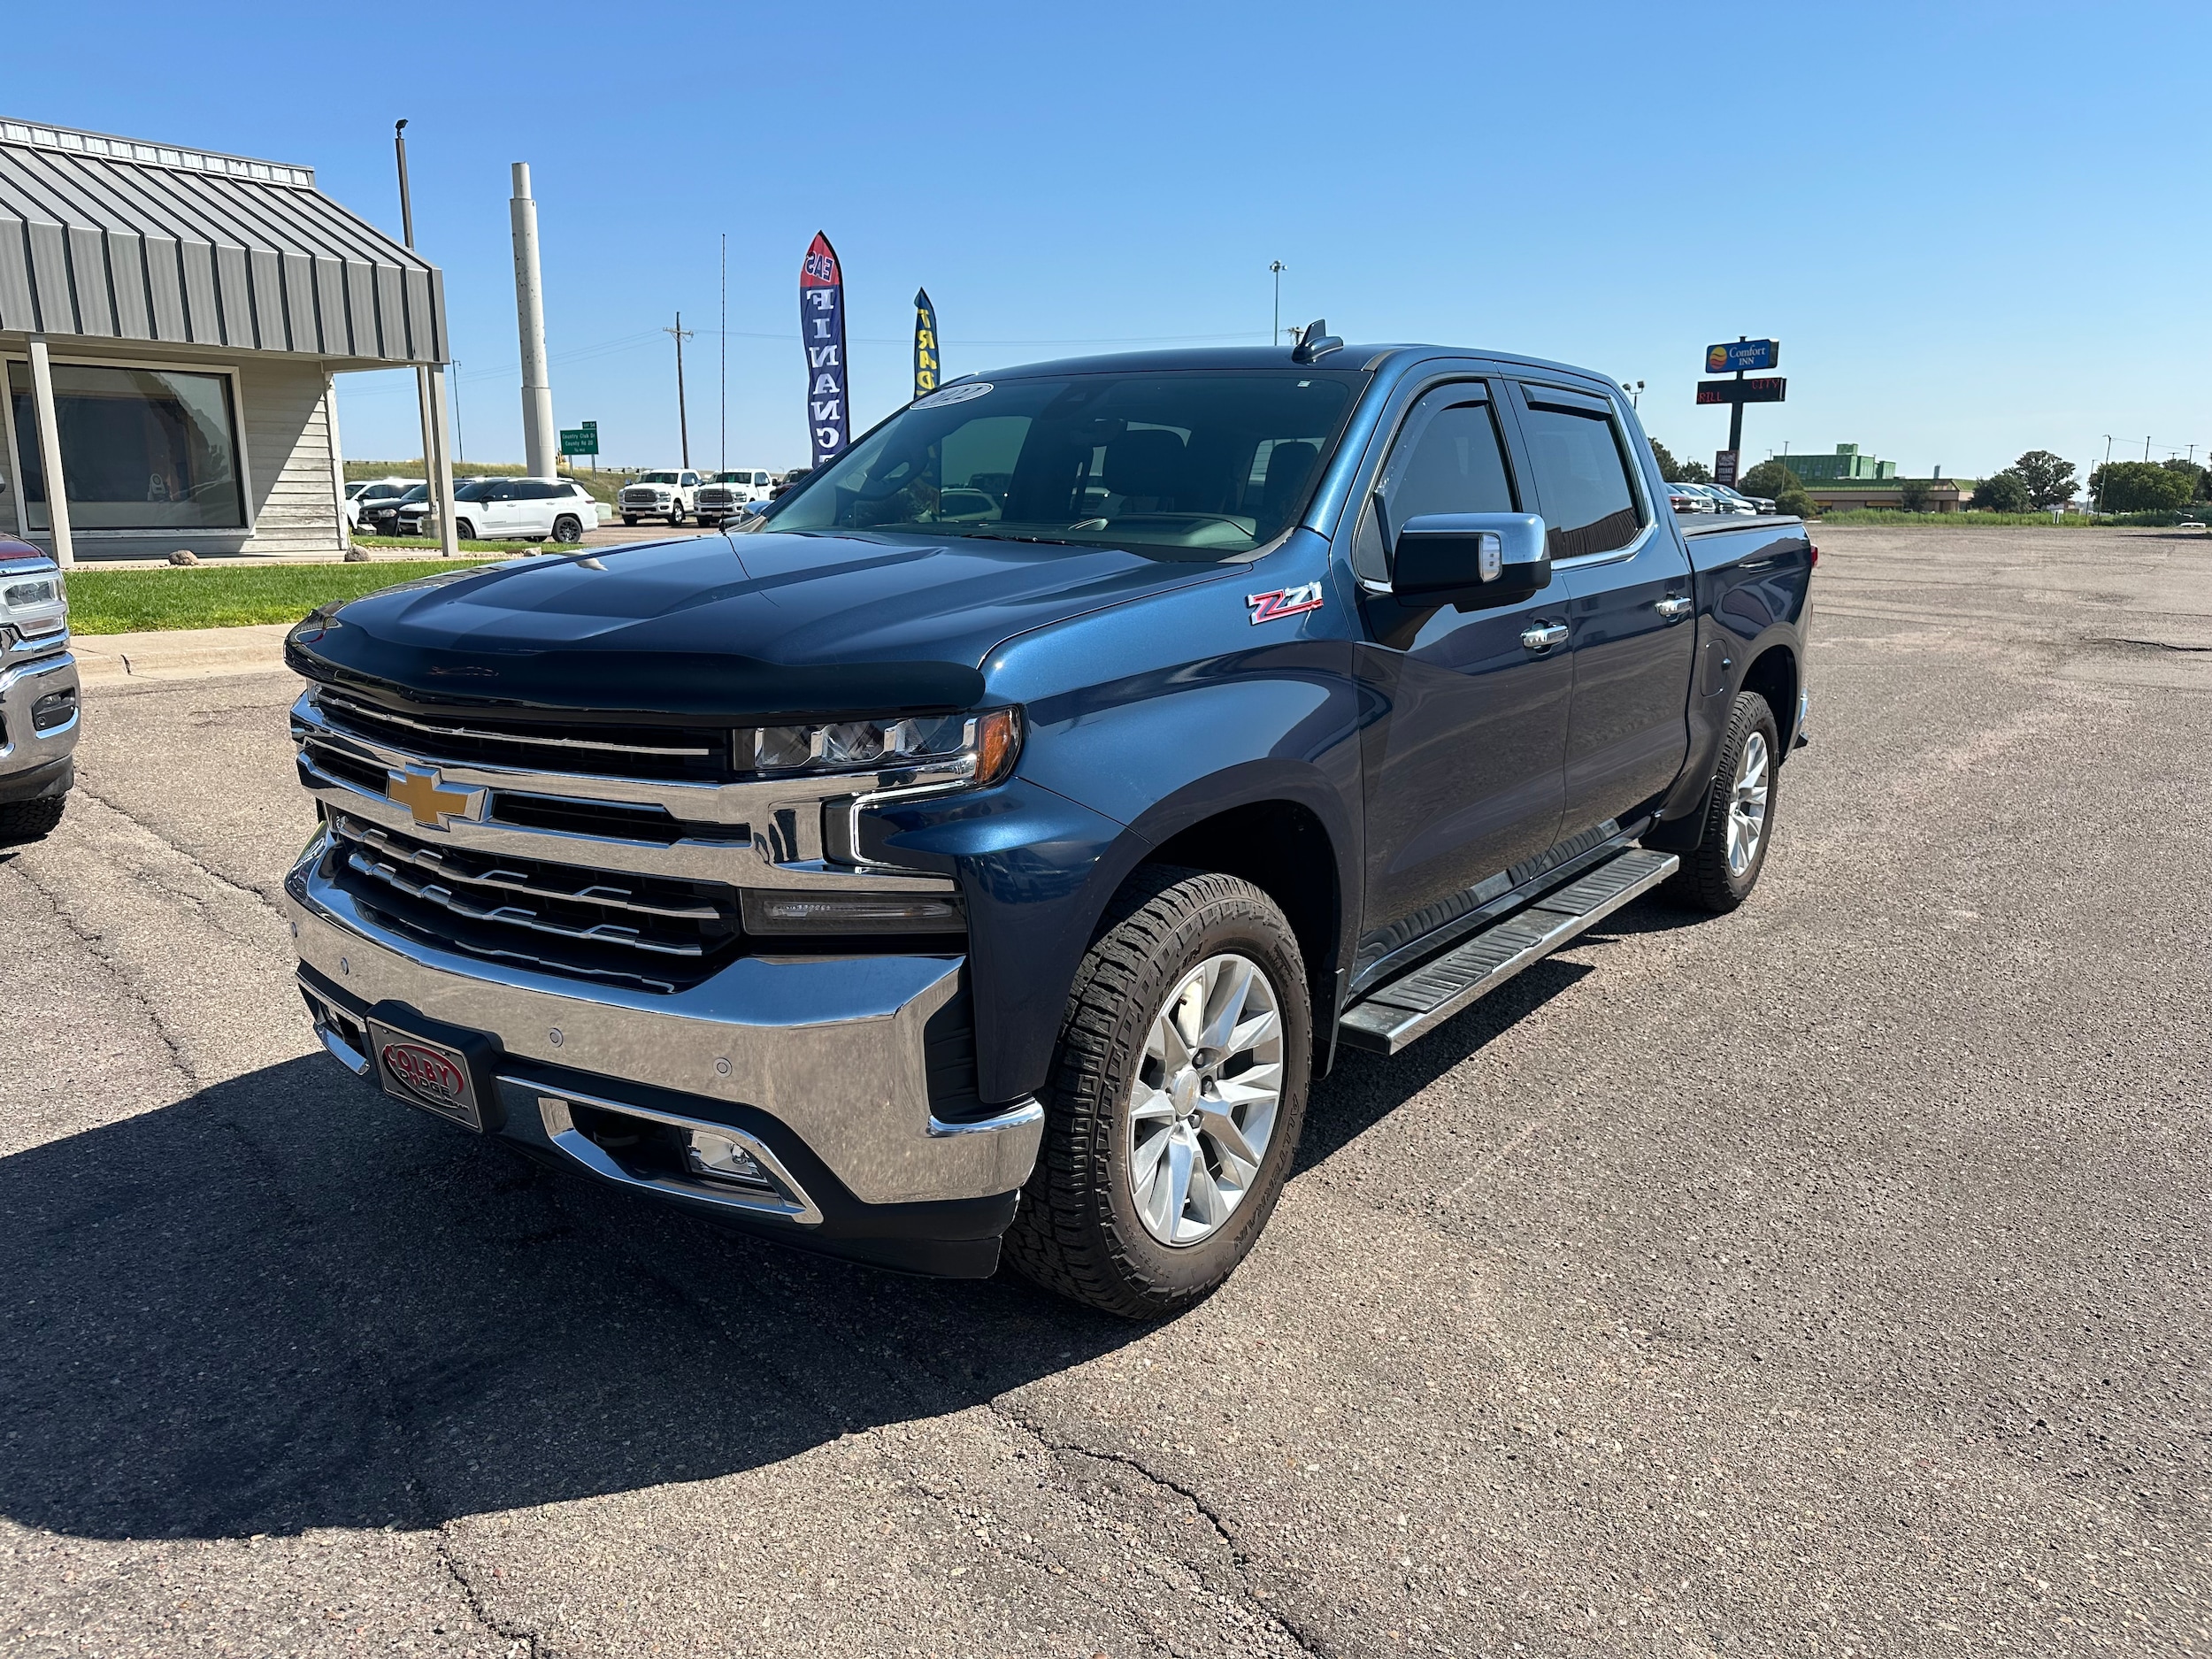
(982, 747)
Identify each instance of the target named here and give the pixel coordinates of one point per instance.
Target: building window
(141, 449)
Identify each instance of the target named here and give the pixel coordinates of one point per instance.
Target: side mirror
(1486, 558)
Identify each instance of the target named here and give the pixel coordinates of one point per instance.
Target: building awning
(105, 238)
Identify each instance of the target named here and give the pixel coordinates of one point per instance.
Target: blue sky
(1975, 229)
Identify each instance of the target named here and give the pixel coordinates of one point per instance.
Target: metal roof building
(171, 319)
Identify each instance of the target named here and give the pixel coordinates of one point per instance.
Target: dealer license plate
(426, 1074)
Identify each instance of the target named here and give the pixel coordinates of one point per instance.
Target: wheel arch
(1774, 675)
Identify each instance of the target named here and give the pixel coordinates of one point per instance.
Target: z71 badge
(1284, 601)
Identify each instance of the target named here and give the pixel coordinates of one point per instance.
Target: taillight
(1815, 553)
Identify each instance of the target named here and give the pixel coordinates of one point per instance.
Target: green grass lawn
(125, 601)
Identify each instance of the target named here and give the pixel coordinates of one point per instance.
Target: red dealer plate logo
(428, 1074)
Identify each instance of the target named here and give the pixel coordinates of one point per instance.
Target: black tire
(30, 820)
(1078, 1230)
(463, 530)
(568, 528)
(675, 517)
(1707, 880)
(630, 519)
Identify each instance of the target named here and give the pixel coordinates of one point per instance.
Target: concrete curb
(179, 653)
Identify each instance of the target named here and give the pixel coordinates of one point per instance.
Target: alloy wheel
(1203, 1106)
(1747, 804)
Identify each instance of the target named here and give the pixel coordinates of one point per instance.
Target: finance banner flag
(822, 332)
(925, 344)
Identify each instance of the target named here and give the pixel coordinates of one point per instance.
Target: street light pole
(437, 468)
(1277, 267)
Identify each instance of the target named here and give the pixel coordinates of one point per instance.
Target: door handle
(1543, 635)
(1674, 606)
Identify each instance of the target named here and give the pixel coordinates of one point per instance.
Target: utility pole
(437, 466)
(1277, 267)
(2146, 448)
(2104, 474)
(683, 419)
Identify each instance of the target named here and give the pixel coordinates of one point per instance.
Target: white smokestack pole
(538, 436)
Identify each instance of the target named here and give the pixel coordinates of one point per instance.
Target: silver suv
(38, 693)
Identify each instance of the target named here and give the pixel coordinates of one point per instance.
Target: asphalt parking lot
(1828, 1279)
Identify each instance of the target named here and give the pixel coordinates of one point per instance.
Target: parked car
(1686, 498)
(724, 493)
(363, 494)
(500, 509)
(669, 494)
(382, 516)
(924, 886)
(785, 483)
(1727, 499)
(38, 693)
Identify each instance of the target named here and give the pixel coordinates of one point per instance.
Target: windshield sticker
(954, 394)
(1284, 601)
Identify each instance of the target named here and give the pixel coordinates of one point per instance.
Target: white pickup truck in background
(669, 494)
(726, 495)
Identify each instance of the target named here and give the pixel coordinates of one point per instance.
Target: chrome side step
(1393, 1015)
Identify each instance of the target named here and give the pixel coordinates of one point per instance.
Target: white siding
(288, 456)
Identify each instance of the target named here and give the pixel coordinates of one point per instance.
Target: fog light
(723, 1158)
(55, 708)
(767, 912)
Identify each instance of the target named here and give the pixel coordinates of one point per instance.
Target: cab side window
(689, 480)
(1581, 468)
(1448, 458)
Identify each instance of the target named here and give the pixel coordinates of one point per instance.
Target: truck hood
(744, 627)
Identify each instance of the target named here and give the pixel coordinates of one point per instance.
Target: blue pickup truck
(987, 849)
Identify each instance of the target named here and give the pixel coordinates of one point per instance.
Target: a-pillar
(50, 451)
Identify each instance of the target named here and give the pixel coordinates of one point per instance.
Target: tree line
(2038, 481)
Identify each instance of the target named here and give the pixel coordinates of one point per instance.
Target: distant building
(1845, 464)
(1944, 494)
(171, 321)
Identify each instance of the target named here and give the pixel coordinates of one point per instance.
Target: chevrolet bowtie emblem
(423, 792)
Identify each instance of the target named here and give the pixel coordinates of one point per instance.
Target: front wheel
(675, 517)
(630, 519)
(1719, 874)
(1178, 1094)
(464, 531)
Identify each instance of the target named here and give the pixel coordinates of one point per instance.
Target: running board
(1393, 1015)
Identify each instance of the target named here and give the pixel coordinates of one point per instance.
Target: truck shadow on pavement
(285, 1303)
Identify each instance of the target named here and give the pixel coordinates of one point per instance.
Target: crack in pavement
(133, 992)
(174, 846)
(1240, 1562)
(520, 1638)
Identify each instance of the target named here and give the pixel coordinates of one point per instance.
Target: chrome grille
(600, 924)
(614, 750)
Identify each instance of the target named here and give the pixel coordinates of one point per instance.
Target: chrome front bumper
(22, 684)
(831, 1047)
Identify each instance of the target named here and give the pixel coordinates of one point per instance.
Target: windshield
(1194, 465)
(732, 478)
(656, 478)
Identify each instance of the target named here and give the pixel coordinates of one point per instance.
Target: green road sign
(582, 440)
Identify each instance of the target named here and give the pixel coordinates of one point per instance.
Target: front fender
(1142, 722)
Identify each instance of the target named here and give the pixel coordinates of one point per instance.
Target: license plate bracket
(435, 1076)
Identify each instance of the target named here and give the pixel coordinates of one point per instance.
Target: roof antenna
(1314, 340)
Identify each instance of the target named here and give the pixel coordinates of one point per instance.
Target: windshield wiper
(988, 535)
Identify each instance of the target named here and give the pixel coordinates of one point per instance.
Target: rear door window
(1576, 451)
(1448, 458)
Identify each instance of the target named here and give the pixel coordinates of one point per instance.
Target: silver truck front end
(591, 926)
(39, 693)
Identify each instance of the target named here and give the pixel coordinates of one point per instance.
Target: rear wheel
(568, 528)
(1179, 1095)
(30, 820)
(1719, 874)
